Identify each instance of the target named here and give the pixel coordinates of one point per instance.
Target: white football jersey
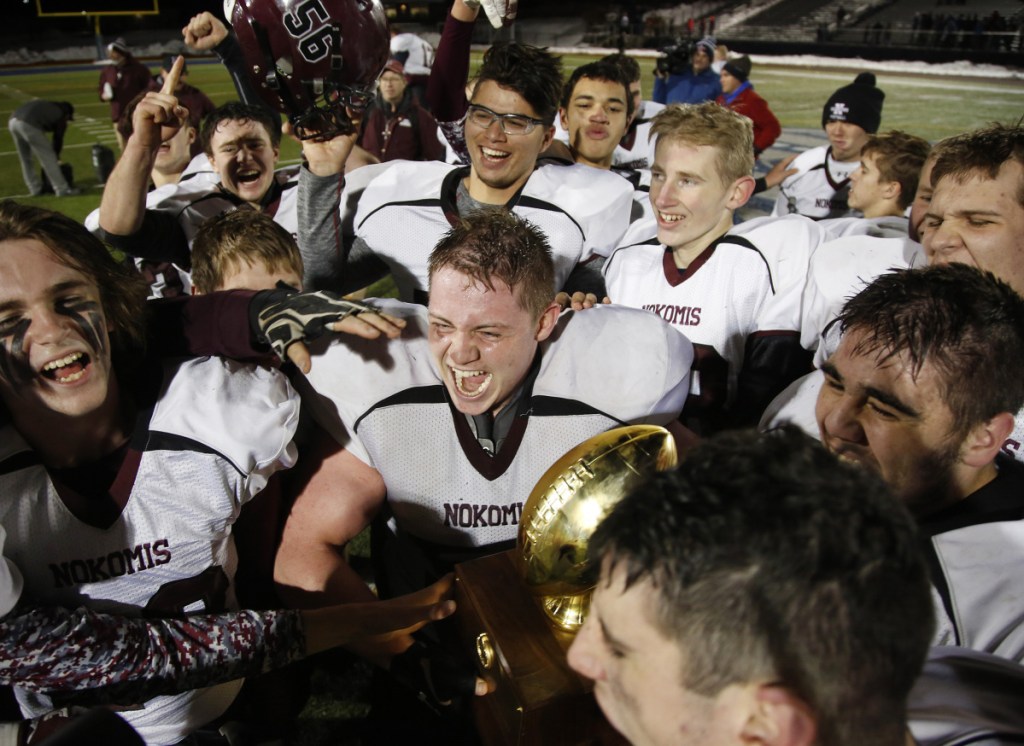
(975, 550)
(887, 226)
(161, 541)
(192, 201)
(389, 407)
(405, 210)
(819, 190)
(10, 580)
(841, 268)
(746, 285)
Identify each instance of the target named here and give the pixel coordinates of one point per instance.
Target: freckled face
(54, 342)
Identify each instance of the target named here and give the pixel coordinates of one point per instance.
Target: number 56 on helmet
(312, 59)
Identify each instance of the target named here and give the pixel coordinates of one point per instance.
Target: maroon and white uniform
(174, 212)
(390, 409)
(819, 190)
(886, 226)
(738, 302)
(839, 269)
(208, 437)
(583, 212)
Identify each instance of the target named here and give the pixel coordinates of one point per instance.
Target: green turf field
(932, 107)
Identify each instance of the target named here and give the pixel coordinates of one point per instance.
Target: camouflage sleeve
(82, 657)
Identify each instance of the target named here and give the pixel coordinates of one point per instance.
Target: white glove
(499, 12)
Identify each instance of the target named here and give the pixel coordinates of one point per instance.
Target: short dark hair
(238, 111)
(599, 70)
(983, 151)
(122, 291)
(532, 72)
(899, 158)
(233, 239)
(966, 322)
(630, 67)
(772, 561)
(496, 244)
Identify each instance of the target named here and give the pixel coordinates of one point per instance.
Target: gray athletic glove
(284, 316)
(499, 12)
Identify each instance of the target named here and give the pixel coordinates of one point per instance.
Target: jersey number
(308, 23)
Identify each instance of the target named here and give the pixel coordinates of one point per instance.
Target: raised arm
(157, 118)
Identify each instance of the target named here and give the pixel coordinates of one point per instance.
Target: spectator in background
(28, 125)
(121, 81)
(694, 86)
(416, 56)
(397, 127)
(193, 99)
(738, 94)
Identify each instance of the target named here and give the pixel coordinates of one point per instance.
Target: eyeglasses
(511, 124)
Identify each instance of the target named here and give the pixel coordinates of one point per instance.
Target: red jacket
(744, 101)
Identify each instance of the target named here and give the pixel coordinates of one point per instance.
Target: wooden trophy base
(536, 699)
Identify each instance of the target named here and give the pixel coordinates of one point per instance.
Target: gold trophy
(519, 610)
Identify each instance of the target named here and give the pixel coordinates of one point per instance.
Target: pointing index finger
(171, 81)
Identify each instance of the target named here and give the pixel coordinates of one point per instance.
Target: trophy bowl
(568, 503)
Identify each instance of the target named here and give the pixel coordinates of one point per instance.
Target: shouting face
(483, 340)
(244, 157)
(54, 342)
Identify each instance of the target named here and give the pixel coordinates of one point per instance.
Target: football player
(123, 473)
(819, 188)
(905, 396)
(405, 209)
(762, 593)
(442, 434)
(242, 141)
(883, 186)
(734, 291)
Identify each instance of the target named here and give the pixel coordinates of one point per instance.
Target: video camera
(674, 59)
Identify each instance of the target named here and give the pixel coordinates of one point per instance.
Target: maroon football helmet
(310, 59)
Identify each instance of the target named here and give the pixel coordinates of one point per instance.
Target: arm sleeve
(321, 241)
(58, 136)
(771, 361)
(660, 89)
(230, 54)
(160, 239)
(213, 324)
(431, 148)
(446, 86)
(83, 657)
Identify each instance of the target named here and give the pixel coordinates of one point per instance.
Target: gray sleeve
(321, 239)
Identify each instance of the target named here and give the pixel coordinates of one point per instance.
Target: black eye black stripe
(13, 364)
(86, 315)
